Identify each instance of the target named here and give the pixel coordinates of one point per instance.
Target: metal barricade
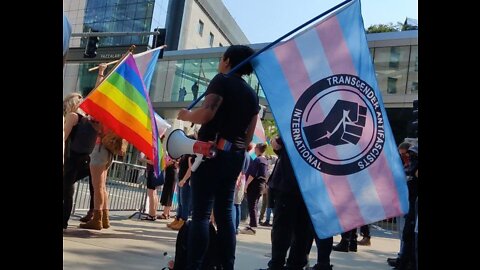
(126, 189)
(390, 224)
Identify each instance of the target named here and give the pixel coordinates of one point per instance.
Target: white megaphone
(179, 144)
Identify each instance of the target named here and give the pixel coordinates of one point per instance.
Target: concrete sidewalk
(138, 244)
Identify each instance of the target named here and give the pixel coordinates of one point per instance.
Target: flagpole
(272, 44)
(130, 50)
(116, 61)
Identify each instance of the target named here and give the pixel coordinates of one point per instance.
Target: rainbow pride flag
(121, 102)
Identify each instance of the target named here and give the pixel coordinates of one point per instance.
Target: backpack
(83, 136)
(115, 144)
(211, 261)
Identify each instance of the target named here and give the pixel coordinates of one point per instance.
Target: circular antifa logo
(337, 125)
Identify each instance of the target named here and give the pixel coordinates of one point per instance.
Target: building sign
(104, 54)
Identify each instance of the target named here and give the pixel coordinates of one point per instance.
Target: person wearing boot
(365, 233)
(288, 231)
(184, 174)
(348, 242)
(407, 260)
(80, 141)
(228, 116)
(403, 151)
(100, 161)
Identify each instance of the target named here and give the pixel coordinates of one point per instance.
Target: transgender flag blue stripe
(129, 74)
(365, 69)
(365, 194)
(268, 69)
(317, 66)
(313, 56)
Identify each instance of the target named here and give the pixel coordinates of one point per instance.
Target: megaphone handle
(197, 162)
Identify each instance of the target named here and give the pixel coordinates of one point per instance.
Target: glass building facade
(394, 55)
(124, 16)
(178, 80)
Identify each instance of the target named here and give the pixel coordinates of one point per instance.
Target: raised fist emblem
(344, 124)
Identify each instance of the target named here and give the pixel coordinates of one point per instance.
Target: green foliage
(270, 132)
(381, 28)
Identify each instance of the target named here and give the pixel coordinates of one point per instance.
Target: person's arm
(187, 174)
(203, 114)
(70, 121)
(239, 179)
(143, 158)
(101, 71)
(251, 172)
(250, 179)
(250, 130)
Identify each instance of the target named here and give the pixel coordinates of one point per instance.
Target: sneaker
(248, 230)
(266, 224)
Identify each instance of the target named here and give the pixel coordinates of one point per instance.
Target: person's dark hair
(262, 147)
(404, 145)
(238, 53)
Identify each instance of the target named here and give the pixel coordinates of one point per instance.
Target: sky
(267, 20)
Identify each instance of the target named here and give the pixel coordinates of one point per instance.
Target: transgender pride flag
(146, 62)
(258, 135)
(324, 96)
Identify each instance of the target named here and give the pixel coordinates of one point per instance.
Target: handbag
(115, 144)
(156, 181)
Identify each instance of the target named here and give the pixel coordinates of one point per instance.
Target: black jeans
(350, 235)
(213, 186)
(365, 231)
(324, 249)
(77, 166)
(291, 229)
(253, 195)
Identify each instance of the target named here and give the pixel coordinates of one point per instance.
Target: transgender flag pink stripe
(336, 50)
(338, 187)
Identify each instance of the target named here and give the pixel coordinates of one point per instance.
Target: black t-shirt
(239, 105)
(283, 176)
(183, 166)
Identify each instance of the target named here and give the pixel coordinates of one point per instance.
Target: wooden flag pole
(113, 62)
(116, 61)
(130, 50)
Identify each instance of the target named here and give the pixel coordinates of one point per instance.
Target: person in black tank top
(79, 141)
(228, 117)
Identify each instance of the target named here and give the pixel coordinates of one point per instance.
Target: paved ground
(137, 244)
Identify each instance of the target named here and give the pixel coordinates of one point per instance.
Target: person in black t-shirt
(256, 180)
(292, 227)
(228, 117)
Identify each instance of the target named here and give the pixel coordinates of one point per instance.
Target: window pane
(413, 71)
(159, 81)
(391, 64)
(211, 39)
(188, 72)
(192, 78)
(177, 80)
(200, 27)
